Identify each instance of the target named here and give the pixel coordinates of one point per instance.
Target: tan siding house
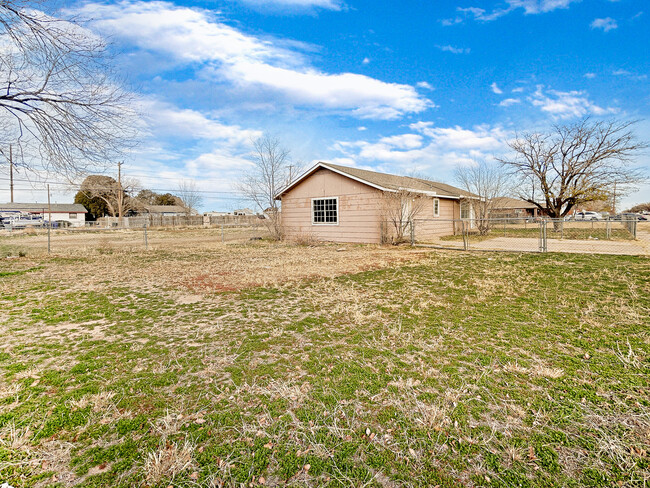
(342, 204)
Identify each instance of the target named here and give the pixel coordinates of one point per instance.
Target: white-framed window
(465, 210)
(73, 216)
(436, 207)
(325, 211)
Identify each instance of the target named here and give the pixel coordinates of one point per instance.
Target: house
(243, 211)
(338, 203)
(68, 214)
(506, 207)
(165, 210)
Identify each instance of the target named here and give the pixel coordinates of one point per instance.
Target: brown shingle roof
(507, 202)
(393, 182)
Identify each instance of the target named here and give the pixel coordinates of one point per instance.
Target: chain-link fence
(134, 236)
(533, 235)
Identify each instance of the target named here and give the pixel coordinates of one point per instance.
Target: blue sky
(412, 86)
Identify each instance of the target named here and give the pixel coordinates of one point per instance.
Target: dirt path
(526, 244)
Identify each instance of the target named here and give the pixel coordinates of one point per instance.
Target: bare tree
(575, 164)
(59, 107)
(115, 193)
(271, 172)
(190, 196)
(487, 182)
(399, 208)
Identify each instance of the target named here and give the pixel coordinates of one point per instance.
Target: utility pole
(11, 174)
(49, 218)
(120, 206)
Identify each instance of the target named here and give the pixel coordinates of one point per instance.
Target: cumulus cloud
(198, 39)
(607, 24)
(565, 105)
(166, 119)
(590, 76)
(496, 89)
(428, 148)
(424, 85)
(530, 7)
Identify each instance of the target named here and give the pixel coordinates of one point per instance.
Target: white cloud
(424, 85)
(519, 89)
(564, 105)
(590, 76)
(297, 4)
(530, 7)
(607, 24)
(509, 101)
(496, 89)
(454, 50)
(429, 149)
(403, 141)
(198, 39)
(165, 119)
(540, 6)
(365, 61)
(624, 72)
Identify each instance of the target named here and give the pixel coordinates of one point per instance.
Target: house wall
(359, 209)
(428, 226)
(75, 219)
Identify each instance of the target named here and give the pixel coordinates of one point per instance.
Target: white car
(588, 216)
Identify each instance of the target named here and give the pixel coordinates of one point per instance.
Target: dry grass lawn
(250, 363)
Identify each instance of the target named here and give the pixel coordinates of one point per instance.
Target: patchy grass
(365, 367)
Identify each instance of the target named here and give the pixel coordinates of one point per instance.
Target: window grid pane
(325, 211)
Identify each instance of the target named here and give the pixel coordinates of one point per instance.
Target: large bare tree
(117, 194)
(574, 164)
(488, 182)
(60, 108)
(272, 170)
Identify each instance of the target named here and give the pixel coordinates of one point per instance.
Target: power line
(75, 186)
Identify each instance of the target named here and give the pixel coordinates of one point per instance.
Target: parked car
(632, 216)
(588, 216)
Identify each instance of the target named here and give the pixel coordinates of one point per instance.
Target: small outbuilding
(506, 207)
(337, 203)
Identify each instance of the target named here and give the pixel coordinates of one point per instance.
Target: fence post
(608, 226)
(146, 241)
(465, 235)
(542, 236)
(412, 232)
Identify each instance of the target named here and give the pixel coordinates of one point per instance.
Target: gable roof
(40, 207)
(507, 202)
(386, 182)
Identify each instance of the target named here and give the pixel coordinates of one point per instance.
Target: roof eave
(321, 164)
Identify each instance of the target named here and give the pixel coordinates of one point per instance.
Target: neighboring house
(338, 203)
(215, 213)
(513, 208)
(165, 210)
(243, 211)
(72, 214)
